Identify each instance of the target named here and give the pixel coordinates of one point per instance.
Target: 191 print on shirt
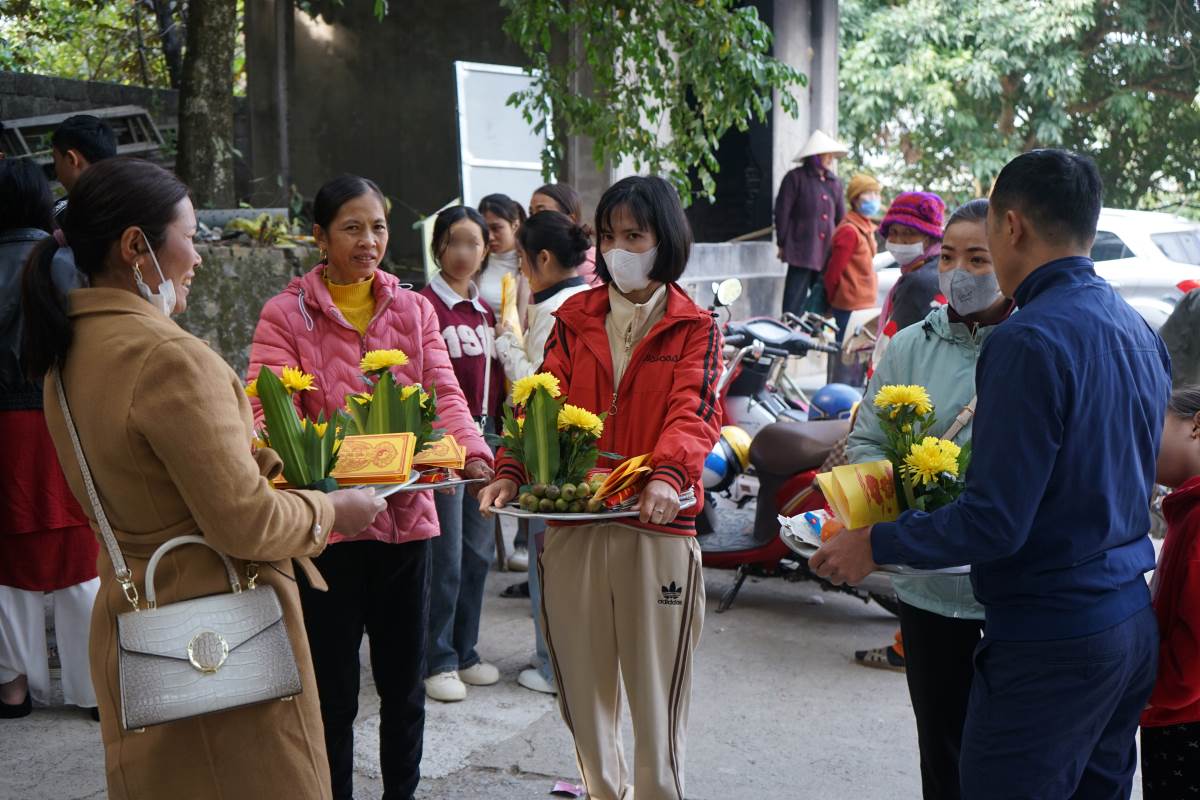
(463, 340)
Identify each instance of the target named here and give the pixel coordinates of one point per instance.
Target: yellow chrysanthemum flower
(319, 427)
(408, 391)
(380, 360)
(575, 417)
(251, 388)
(295, 380)
(896, 397)
(932, 458)
(523, 389)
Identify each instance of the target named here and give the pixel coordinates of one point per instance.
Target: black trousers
(1171, 762)
(382, 589)
(938, 655)
(796, 287)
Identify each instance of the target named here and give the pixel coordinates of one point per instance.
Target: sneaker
(532, 679)
(482, 674)
(881, 658)
(519, 560)
(445, 687)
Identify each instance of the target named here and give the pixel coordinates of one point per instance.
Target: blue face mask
(869, 208)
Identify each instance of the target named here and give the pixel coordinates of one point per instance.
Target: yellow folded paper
(861, 494)
(445, 453)
(508, 306)
(625, 475)
(375, 459)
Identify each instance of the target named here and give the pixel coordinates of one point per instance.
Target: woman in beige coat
(166, 429)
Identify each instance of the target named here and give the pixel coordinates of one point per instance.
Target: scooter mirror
(727, 291)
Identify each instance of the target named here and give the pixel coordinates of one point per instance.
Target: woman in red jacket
(1171, 721)
(626, 599)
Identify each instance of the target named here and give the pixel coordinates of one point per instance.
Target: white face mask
(905, 254)
(630, 271)
(967, 293)
(164, 299)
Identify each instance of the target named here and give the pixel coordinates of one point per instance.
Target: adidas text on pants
(622, 603)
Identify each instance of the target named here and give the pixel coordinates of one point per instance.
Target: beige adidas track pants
(622, 603)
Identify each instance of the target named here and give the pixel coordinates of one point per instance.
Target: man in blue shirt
(1071, 395)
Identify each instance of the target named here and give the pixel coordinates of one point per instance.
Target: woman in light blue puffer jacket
(940, 620)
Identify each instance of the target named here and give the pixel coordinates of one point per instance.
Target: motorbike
(780, 448)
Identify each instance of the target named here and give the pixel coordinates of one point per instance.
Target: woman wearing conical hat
(808, 208)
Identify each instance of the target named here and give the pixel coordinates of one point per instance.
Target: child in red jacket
(1171, 721)
(623, 601)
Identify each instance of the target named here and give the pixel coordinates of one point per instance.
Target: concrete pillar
(791, 25)
(824, 71)
(268, 98)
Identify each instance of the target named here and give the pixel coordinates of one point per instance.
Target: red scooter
(739, 531)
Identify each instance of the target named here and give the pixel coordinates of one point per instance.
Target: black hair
(1185, 402)
(566, 239)
(91, 136)
(339, 191)
(25, 197)
(1058, 191)
(441, 230)
(503, 207)
(654, 205)
(565, 196)
(110, 198)
(970, 211)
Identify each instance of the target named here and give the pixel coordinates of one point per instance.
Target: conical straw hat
(819, 143)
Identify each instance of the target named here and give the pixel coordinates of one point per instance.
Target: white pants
(23, 649)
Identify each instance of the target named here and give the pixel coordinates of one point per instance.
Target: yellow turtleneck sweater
(356, 301)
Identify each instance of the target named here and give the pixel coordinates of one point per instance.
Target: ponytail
(46, 328)
(567, 240)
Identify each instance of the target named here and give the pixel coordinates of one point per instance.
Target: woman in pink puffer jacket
(323, 323)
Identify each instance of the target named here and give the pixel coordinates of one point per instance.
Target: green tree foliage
(942, 93)
(667, 79)
(83, 39)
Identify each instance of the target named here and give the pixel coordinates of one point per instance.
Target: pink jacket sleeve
(274, 347)
(453, 414)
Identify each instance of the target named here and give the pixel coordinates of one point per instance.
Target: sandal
(881, 658)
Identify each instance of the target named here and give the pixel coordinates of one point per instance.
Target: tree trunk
(172, 42)
(205, 159)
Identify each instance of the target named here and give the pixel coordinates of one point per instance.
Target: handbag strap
(123, 574)
(962, 420)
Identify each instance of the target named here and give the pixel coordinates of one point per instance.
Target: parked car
(1151, 258)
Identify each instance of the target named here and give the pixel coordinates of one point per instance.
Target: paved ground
(778, 710)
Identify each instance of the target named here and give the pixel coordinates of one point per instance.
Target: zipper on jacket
(612, 409)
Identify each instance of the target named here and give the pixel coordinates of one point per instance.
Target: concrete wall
(23, 95)
(230, 289)
(376, 98)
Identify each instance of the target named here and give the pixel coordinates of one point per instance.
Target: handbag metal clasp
(207, 651)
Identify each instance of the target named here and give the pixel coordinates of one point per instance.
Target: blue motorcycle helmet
(834, 401)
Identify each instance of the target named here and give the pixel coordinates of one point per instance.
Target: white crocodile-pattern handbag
(195, 656)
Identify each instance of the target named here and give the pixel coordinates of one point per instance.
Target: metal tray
(389, 489)
(513, 510)
(802, 546)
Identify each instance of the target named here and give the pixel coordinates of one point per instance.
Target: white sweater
(520, 362)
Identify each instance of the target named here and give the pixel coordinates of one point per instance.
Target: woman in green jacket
(940, 620)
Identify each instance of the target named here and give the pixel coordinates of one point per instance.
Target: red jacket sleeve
(453, 413)
(693, 420)
(845, 240)
(1178, 684)
(557, 362)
